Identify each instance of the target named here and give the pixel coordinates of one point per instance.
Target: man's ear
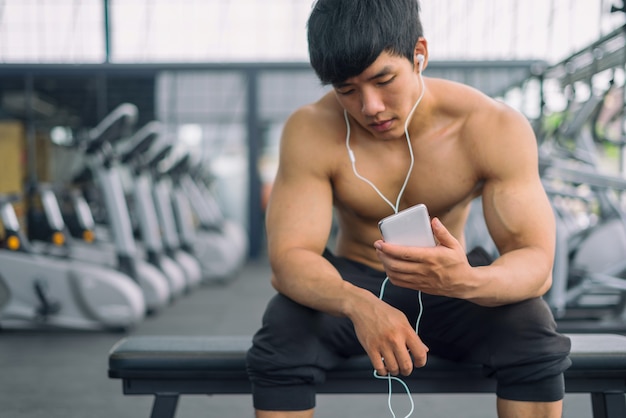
(420, 54)
(420, 62)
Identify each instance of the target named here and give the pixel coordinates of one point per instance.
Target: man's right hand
(388, 338)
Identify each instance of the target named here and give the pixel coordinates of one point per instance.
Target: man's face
(381, 97)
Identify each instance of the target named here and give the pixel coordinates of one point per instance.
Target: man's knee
(527, 355)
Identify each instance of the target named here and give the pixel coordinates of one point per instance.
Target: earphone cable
(352, 156)
(395, 209)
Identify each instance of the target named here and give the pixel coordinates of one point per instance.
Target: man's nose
(371, 103)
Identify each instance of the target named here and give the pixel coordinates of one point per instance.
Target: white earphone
(395, 207)
(420, 60)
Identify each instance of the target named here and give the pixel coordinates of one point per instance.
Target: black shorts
(517, 344)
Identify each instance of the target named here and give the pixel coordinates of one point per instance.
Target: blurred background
(221, 77)
(138, 146)
(71, 31)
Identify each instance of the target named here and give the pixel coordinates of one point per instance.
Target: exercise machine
(50, 292)
(220, 243)
(102, 166)
(161, 199)
(182, 277)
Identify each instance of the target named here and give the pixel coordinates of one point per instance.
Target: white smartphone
(409, 227)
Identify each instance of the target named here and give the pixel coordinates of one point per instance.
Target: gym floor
(64, 374)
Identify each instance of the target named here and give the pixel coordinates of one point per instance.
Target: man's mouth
(382, 125)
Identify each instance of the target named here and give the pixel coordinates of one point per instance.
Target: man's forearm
(309, 279)
(515, 276)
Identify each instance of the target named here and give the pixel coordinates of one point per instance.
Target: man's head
(346, 36)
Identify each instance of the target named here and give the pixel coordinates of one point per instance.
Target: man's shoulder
(461, 95)
(320, 115)
(315, 128)
(324, 107)
(467, 102)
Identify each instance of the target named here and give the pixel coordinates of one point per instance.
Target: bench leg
(608, 405)
(164, 405)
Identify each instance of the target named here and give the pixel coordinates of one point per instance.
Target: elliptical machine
(180, 277)
(101, 165)
(50, 292)
(219, 243)
(161, 198)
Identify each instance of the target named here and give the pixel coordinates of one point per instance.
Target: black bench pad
(176, 365)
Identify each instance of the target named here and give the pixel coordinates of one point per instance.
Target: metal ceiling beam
(72, 68)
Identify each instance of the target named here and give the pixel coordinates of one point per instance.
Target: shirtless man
(335, 154)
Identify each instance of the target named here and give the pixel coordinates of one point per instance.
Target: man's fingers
(391, 364)
(378, 362)
(385, 364)
(442, 234)
(395, 364)
(419, 352)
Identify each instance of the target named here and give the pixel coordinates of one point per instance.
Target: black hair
(346, 36)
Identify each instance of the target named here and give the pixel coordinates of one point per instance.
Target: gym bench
(170, 366)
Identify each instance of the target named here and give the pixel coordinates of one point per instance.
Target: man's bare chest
(441, 181)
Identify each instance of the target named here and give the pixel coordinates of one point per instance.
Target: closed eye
(385, 82)
(345, 92)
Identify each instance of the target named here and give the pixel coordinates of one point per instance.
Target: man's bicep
(519, 215)
(300, 209)
(517, 210)
(299, 213)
